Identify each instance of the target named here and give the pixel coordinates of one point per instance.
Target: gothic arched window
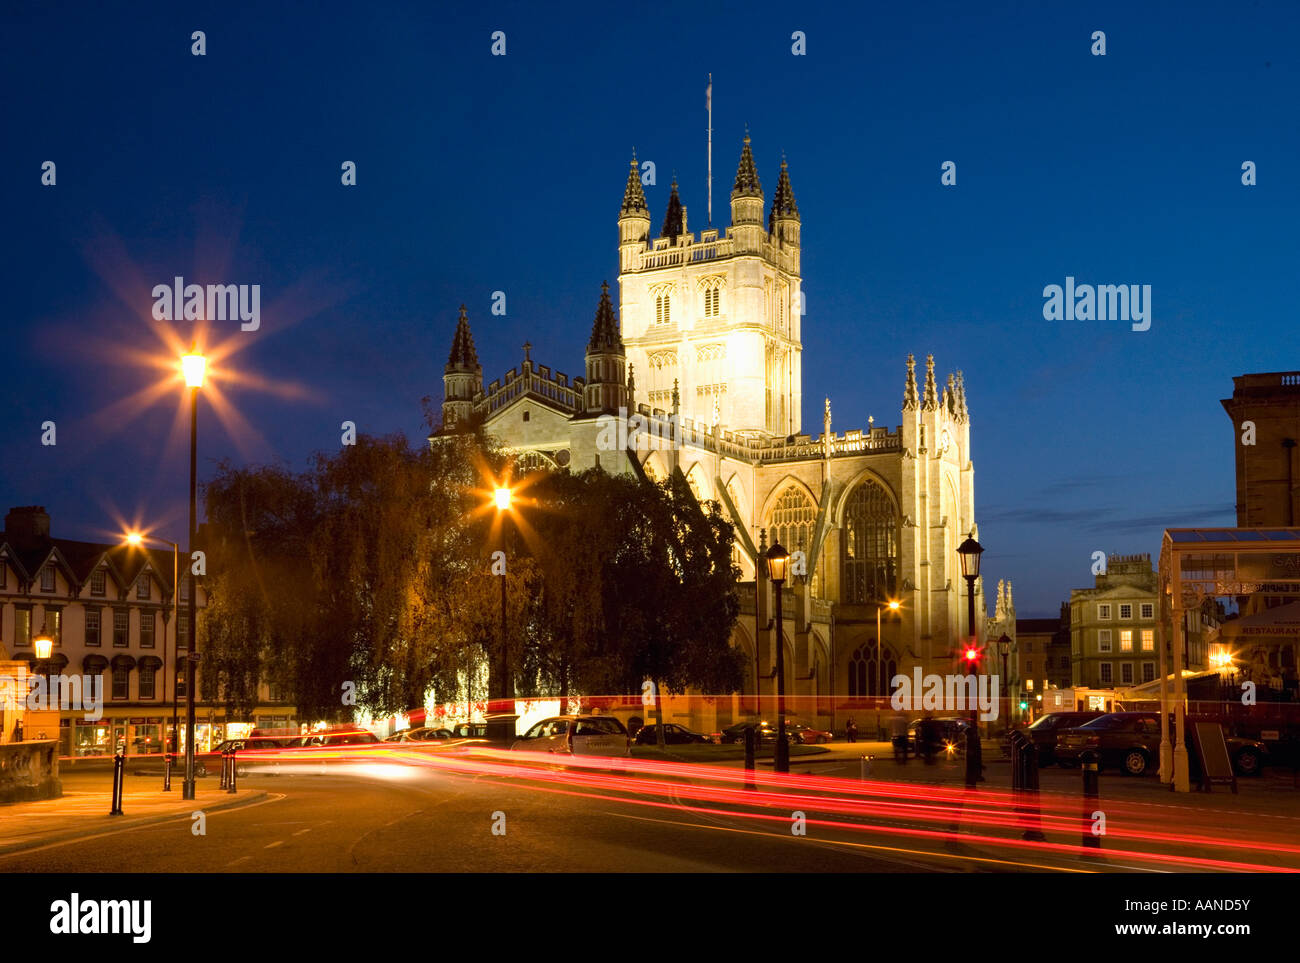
(791, 523)
(867, 677)
(869, 555)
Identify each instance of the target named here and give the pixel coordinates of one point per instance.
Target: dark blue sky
(480, 173)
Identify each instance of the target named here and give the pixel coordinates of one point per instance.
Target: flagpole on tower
(708, 103)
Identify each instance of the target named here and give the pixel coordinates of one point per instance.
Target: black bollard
(974, 756)
(225, 769)
(119, 770)
(1091, 792)
(749, 759)
(167, 772)
(234, 771)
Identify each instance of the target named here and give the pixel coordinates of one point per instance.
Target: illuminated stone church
(705, 348)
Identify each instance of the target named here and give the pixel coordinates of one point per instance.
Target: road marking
(278, 842)
(834, 842)
(301, 831)
(239, 860)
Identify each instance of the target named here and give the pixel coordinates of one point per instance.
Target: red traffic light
(972, 655)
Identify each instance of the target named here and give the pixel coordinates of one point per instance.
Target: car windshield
(600, 727)
(1107, 722)
(1047, 722)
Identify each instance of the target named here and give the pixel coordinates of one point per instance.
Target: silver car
(577, 736)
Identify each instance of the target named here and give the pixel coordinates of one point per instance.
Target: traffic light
(970, 657)
(1023, 705)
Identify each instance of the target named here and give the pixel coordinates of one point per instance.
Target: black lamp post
(969, 551)
(1004, 646)
(193, 365)
(499, 728)
(778, 562)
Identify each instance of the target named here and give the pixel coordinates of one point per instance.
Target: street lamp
(1004, 646)
(880, 665)
(502, 497)
(135, 539)
(969, 552)
(194, 367)
(778, 562)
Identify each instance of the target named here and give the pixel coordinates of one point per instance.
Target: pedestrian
(851, 731)
(898, 735)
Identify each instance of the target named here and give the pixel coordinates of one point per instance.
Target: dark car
(210, 762)
(1130, 742)
(469, 730)
(950, 734)
(1045, 730)
(674, 735)
(765, 732)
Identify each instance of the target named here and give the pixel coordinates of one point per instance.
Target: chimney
(27, 526)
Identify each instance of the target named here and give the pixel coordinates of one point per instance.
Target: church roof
(783, 204)
(673, 226)
(463, 356)
(747, 184)
(604, 330)
(634, 196)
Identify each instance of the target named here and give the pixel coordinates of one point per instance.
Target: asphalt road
(413, 820)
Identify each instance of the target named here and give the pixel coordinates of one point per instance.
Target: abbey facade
(701, 368)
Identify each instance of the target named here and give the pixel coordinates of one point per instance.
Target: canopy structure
(1201, 563)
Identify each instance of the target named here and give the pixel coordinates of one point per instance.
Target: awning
(150, 662)
(1279, 622)
(94, 665)
(123, 662)
(54, 665)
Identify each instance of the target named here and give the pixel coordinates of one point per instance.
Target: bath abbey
(700, 347)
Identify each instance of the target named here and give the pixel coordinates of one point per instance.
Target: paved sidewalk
(83, 809)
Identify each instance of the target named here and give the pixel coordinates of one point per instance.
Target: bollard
(234, 772)
(225, 769)
(1091, 792)
(167, 772)
(119, 770)
(866, 766)
(974, 758)
(1024, 776)
(1017, 763)
(749, 759)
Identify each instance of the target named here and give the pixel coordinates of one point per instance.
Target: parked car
(423, 734)
(577, 735)
(1130, 742)
(674, 735)
(811, 735)
(210, 762)
(1045, 730)
(469, 730)
(950, 735)
(765, 732)
(350, 737)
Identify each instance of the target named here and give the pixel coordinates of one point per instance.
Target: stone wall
(29, 770)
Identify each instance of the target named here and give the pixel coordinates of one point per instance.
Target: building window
(663, 309)
(1076, 612)
(97, 579)
(869, 545)
(526, 416)
(791, 524)
(142, 587)
(54, 623)
(146, 680)
(121, 682)
(1106, 675)
(1126, 673)
(4, 574)
(93, 627)
(180, 682)
(867, 677)
(146, 630)
(1148, 610)
(182, 630)
(1029, 646)
(22, 625)
(1148, 672)
(185, 587)
(1126, 640)
(1029, 666)
(1103, 640)
(1126, 611)
(1103, 612)
(47, 578)
(121, 627)
(1148, 640)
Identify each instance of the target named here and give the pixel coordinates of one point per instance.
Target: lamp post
(500, 729)
(193, 366)
(969, 552)
(778, 561)
(1004, 646)
(135, 538)
(880, 665)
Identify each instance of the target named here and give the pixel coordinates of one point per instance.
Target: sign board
(1212, 750)
(1058, 700)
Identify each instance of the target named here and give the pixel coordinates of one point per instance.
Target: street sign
(1212, 749)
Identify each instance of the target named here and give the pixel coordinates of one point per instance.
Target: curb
(114, 827)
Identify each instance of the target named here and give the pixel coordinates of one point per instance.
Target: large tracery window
(792, 523)
(869, 569)
(869, 677)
